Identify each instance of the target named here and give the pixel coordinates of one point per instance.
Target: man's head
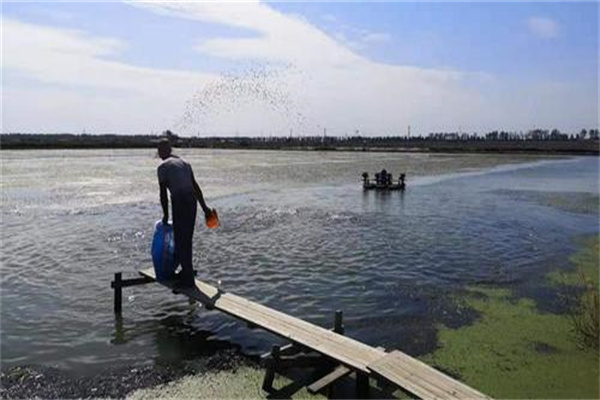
(164, 148)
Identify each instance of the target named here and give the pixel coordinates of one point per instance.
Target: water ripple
(390, 261)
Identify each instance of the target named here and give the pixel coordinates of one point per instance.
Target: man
(176, 175)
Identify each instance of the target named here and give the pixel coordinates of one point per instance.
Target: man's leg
(184, 217)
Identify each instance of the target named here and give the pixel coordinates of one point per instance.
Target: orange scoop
(212, 219)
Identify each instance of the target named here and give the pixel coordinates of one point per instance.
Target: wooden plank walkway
(348, 351)
(420, 379)
(397, 367)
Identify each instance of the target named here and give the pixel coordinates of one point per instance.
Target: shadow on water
(381, 198)
(173, 339)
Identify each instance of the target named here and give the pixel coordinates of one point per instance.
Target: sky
(255, 68)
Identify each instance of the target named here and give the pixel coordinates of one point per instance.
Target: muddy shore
(36, 381)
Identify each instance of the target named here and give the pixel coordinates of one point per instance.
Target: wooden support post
(119, 283)
(338, 324)
(267, 385)
(118, 292)
(362, 385)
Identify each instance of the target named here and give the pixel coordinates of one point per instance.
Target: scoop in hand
(212, 219)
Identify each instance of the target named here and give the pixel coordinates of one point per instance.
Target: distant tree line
(534, 134)
(68, 140)
(536, 140)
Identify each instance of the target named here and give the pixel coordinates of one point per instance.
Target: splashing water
(263, 94)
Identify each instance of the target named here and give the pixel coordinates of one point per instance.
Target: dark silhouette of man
(176, 175)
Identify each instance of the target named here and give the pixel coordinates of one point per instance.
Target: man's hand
(165, 219)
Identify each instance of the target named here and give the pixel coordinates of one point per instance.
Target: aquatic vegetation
(585, 309)
(243, 383)
(585, 317)
(584, 203)
(586, 261)
(516, 351)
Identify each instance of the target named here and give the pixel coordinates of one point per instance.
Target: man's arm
(199, 196)
(164, 202)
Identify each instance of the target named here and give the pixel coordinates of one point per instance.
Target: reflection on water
(298, 233)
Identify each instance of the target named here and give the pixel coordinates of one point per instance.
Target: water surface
(298, 234)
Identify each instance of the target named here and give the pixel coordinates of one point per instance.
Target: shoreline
(444, 150)
(392, 144)
(41, 381)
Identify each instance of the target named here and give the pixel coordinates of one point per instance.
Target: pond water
(298, 234)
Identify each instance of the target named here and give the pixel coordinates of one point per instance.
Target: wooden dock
(346, 354)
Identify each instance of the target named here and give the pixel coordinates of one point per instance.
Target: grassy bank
(516, 351)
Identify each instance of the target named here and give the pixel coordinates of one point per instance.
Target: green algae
(246, 383)
(586, 262)
(512, 351)
(516, 351)
(583, 203)
(243, 383)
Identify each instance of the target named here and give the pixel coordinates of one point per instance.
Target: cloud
(542, 27)
(376, 37)
(75, 70)
(360, 39)
(329, 18)
(278, 38)
(52, 14)
(330, 85)
(301, 79)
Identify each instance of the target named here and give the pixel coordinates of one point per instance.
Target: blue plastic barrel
(163, 251)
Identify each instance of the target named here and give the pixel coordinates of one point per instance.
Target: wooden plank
(318, 338)
(338, 373)
(347, 351)
(131, 282)
(460, 388)
(397, 367)
(420, 379)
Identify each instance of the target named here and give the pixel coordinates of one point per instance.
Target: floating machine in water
(383, 181)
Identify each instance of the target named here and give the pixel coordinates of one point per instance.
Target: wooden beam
(338, 373)
(287, 350)
(119, 283)
(131, 282)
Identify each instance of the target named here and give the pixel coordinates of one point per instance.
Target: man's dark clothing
(184, 215)
(176, 174)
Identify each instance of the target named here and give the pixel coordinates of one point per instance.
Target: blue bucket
(163, 251)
